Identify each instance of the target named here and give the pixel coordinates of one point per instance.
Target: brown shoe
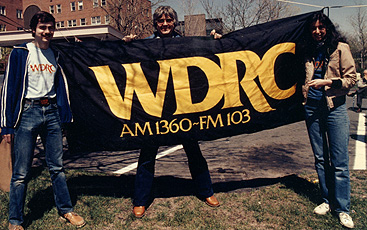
(139, 211)
(74, 219)
(15, 227)
(212, 201)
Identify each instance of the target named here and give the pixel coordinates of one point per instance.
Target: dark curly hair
(41, 16)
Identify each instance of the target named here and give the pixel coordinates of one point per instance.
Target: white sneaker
(346, 220)
(322, 209)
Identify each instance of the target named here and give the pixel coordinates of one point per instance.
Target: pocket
(26, 107)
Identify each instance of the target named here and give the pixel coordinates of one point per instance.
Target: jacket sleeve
(347, 67)
(9, 94)
(62, 94)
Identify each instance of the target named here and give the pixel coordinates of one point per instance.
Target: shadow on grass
(163, 187)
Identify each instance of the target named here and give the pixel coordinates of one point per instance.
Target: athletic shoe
(322, 209)
(346, 220)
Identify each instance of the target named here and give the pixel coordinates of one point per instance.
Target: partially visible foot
(74, 219)
(359, 110)
(15, 227)
(139, 211)
(212, 201)
(346, 220)
(322, 209)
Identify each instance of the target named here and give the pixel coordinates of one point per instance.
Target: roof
(92, 32)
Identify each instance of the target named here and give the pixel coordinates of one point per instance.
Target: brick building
(126, 16)
(123, 15)
(11, 15)
(76, 20)
(70, 13)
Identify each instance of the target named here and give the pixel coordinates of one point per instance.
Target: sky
(340, 16)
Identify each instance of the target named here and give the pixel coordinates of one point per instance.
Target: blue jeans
(145, 172)
(328, 131)
(45, 121)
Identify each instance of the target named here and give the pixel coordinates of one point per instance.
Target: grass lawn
(280, 203)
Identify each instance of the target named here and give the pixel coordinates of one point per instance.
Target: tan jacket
(341, 66)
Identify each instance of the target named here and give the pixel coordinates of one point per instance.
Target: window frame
(96, 22)
(80, 5)
(52, 9)
(58, 8)
(72, 6)
(3, 10)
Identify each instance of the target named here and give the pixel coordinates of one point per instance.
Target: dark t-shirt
(319, 73)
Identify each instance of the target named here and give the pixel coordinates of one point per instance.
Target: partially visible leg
(338, 133)
(359, 101)
(145, 175)
(317, 134)
(198, 169)
(51, 134)
(24, 143)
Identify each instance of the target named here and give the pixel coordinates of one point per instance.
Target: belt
(43, 101)
(313, 102)
(338, 101)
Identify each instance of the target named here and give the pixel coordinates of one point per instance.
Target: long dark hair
(333, 37)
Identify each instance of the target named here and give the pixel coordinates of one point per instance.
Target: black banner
(163, 90)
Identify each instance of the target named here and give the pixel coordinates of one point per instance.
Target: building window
(71, 23)
(60, 24)
(19, 14)
(58, 8)
(107, 19)
(2, 10)
(96, 20)
(95, 3)
(72, 6)
(103, 2)
(80, 5)
(52, 9)
(2, 27)
(83, 22)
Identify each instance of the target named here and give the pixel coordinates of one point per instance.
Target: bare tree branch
(244, 13)
(189, 6)
(131, 16)
(358, 22)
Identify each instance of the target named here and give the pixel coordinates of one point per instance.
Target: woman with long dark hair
(330, 73)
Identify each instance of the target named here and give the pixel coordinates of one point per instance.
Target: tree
(244, 13)
(131, 16)
(189, 6)
(4, 54)
(359, 43)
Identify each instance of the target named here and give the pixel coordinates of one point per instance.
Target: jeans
(45, 121)
(328, 131)
(145, 172)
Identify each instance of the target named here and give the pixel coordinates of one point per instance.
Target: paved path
(271, 153)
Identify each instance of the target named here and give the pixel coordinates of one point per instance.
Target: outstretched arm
(215, 34)
(129, 38)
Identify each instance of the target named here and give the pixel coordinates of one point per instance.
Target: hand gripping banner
(164, 90)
